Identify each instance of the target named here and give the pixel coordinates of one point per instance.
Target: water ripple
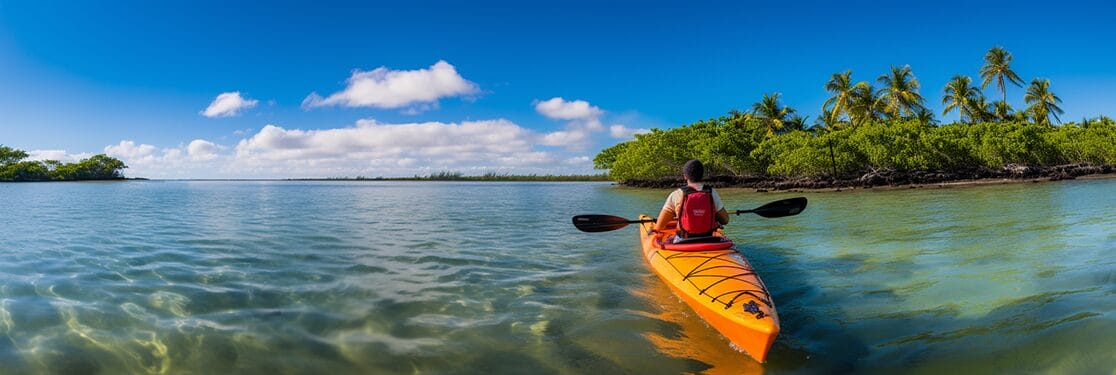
(382, 277)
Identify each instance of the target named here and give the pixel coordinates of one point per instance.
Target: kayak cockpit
(693, 244)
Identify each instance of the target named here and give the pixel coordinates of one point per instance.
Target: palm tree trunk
(1003, 88)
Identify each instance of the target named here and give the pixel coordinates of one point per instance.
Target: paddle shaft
(605, 223)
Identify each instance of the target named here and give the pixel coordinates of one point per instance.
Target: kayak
(719, 284)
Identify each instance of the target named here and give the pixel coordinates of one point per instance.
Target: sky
(199, 89)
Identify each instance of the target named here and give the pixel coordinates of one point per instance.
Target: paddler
(697, 206)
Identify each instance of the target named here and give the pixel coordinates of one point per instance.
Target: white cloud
(371, 148)
(202, 150)
(365, 148)
(558, 108)
(386, 88)
(130, 150)
(60, 155)
(228, 104)
(584, 119)
(579, 160)
(573, 138)
(623, 132)
(369, 140)
(199, 158)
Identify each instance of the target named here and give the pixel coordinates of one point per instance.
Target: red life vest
(698, 214)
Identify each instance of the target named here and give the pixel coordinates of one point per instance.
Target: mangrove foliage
(14, 167)
(864, 128)
(486, 177)
(740, 146)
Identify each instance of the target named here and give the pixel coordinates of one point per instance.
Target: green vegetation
(97, 167)
(739, 146)
(863, 129)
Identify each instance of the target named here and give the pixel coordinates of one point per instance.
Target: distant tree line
(488, 176)
(863, 128)
(13, 167)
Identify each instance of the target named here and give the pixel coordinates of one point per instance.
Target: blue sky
(134, 79)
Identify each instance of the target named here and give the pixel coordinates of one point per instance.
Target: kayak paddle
(779, 208)
(605, 223)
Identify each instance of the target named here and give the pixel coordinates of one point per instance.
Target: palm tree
(982, 109)
(1043, 102)
(841, 86)
(774, 113)
(828, 121)
(1002, 111)
(959, 93)
(997, 66)
(795, 122)
(900, 92)
(738, 116)
(865, 104)
(925, 116)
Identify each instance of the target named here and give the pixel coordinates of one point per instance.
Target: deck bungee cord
(760, 294)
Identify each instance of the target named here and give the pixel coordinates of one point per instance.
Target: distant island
(13, 168)
(459, 176)
(876, 137)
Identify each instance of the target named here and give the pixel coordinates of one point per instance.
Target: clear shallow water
(400, 277)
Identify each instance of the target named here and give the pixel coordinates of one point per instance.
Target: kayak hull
(720, 286)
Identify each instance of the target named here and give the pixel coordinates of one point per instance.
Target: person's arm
(665, 217)
(723, 216)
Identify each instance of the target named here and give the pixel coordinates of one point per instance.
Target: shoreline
(891, 179)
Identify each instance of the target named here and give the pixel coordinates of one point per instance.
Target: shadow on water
(600, 335)
(813, 336)
(820, 334)
(1018, 337)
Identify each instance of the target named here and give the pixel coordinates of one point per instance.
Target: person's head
(693, 171)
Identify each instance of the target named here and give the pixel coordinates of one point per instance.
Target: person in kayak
(692, 205)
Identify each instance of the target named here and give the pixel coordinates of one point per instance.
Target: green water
(427, 277)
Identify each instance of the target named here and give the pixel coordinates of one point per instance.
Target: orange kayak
(719, 285)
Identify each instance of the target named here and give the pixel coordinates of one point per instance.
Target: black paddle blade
(780, 208)
(601, 223)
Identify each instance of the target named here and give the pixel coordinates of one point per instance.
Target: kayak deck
(721, 286)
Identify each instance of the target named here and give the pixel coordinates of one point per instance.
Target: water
(410, 277)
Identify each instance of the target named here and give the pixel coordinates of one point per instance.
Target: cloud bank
(584, 120)
(59, 155)
(372, 148)
(367, 148)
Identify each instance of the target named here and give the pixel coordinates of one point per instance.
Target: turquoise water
(420, 277)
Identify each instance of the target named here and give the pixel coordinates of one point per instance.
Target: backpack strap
(712, 205)
(686, 190)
